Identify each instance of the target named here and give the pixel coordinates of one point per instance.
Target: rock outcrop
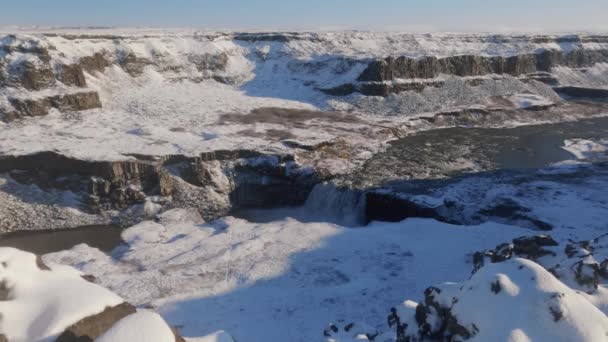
(31, 76)
(517, 291)
(580, 264)
(393, 75)
(381, 88)
(133, 64)
(90, 328)
(392, 68)
(215, 183)
(39, 107)
(98, 62)
(71, 75)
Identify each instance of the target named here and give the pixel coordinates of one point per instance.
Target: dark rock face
(29, 108)
(106, 183)
(71, 75)
(578, 92)
(68, 102)
(431, 311)
(584, 261)
(380, 88)
(393, 208)
(3, 74)
(5, 291)
(76, 101)
(209, 61)
(31, 76)
(215, 182)
(282, 37)
(388, 208)
(392, 68)
(529, 247)
(95, 63)
(132, 64)
(90, 328)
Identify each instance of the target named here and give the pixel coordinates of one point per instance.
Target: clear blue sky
(489, 15)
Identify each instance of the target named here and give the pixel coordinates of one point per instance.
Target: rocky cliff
(119, 125)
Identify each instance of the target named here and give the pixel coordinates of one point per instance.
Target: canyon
(348, 168)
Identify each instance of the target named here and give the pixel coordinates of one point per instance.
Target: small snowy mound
(587, 149)
(38, 302)
(517, 300)
(143, 326)
(529, 101)
(218, 336)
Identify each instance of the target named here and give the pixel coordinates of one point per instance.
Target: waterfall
(340, 205)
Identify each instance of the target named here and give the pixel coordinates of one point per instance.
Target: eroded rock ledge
(426, 67)
(393, 75)
(215, 183)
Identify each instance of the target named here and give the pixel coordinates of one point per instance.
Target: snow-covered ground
(283, 280)
(286, 280)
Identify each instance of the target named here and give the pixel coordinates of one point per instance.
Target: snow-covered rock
(39, 302)
(517, 300)
(581, 265)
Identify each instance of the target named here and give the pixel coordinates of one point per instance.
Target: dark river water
(106, 238)
(535, 147)
(450, 152)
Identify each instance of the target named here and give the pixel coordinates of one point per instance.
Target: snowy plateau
(304, 186)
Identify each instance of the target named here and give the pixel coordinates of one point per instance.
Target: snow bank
(40, 302)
